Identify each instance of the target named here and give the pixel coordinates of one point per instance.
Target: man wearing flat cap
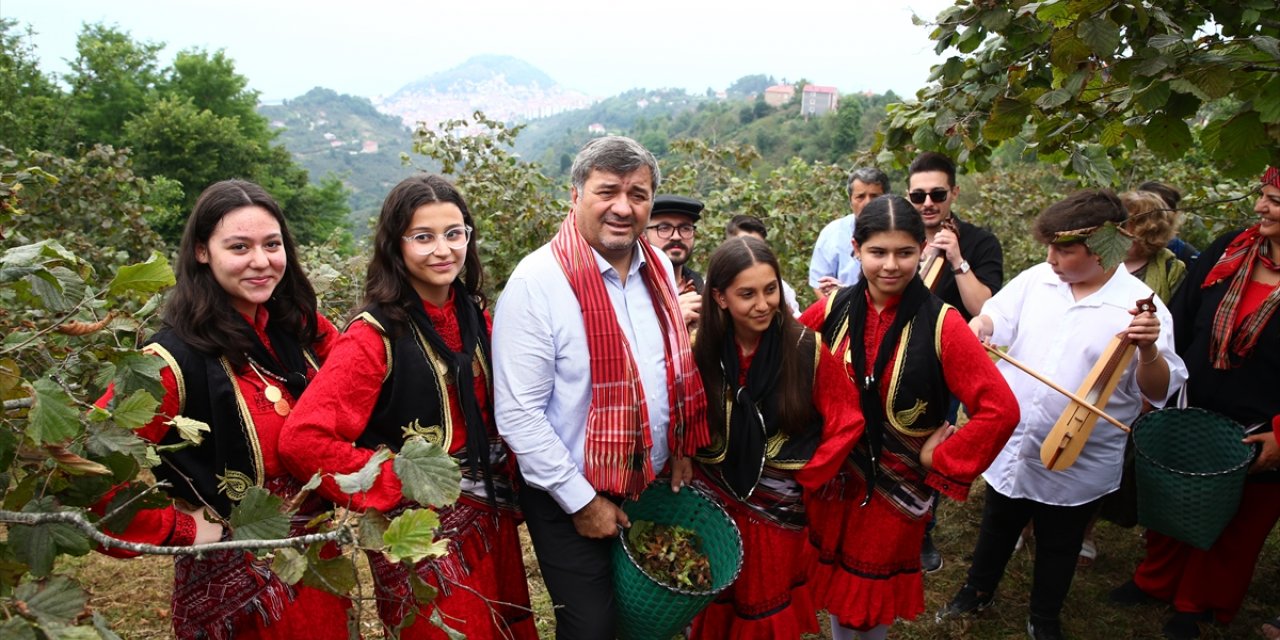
(673, 228)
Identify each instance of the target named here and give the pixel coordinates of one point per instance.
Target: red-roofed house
(779, 94)
(818, 100)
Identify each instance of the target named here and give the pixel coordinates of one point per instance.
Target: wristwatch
(962, 269)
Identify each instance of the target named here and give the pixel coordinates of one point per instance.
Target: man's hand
(690, 308)
(948, 243)
(1144, 328)
(827, 285)
(681, 473)
(601, 518)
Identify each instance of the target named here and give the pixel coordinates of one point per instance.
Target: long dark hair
(795, 389)
(387, 282)
(198, 309)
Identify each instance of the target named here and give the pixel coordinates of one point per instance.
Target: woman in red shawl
(1226, 330)
(416, 361)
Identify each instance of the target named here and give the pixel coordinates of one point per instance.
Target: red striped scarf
(618, 441)
(1237, 263)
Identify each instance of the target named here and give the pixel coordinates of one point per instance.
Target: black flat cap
(678, 205)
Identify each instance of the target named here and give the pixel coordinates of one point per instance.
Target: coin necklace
(270, 391)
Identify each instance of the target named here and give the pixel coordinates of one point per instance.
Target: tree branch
(341, 535)
(20, 403)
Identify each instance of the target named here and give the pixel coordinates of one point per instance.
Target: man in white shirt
(1058, 318)
(833, 264)
(594, 385)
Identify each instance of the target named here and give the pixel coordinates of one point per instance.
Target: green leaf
(53, 418)
(48, 290)
(438, 621)
(136, 370)
(1066, 51)
(411, 536)
(1154, 97)
(1109, 245)
(335, 575)
(104, 631)
(17, 628)
(362, 480)
(136, 411)
(1053, 99)
(1055, 11)
(1094, 165)
(1101, 34)
(951, 70)
(428, 474)
(1267, 101)
(57, 599)
(38, 545)
(109, 440)
(257, 517)
(289, 564)
(995, 19)
(373, 527)
(189, 429)
(10, 376)
(1267, 45)
(423, 593)
(1113, 134)
(1167, 42)
(145, 277)
(1214, 81)
(1168, 136)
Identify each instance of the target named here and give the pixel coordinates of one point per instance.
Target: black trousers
(578, 571)
(1059, 532)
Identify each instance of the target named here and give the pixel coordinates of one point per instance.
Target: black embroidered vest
(917, 399)
(229, 460)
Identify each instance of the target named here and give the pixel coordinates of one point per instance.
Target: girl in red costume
(868, 524)
(241, 341)
(779, 406)
(417, 362)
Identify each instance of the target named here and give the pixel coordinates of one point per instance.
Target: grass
(134, 594)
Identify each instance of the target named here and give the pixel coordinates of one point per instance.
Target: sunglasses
(937, 195)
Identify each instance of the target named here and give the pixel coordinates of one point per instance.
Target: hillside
(505, 88)
(330, 133)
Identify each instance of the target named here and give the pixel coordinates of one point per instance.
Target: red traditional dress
(771, 598)
(482, 586)
(230, 594)
(868, 541)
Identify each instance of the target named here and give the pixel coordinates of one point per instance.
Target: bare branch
(340, 535)
(19, 403)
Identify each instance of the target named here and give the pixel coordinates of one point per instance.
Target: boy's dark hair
(1168, 193)
(933, 161)
(1081, 210)
(742, 223)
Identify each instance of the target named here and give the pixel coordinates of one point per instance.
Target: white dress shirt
(833, 253)
(1037, 316)
(542, 370)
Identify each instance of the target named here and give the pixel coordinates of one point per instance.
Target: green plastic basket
(651, 610)
(1191, 467)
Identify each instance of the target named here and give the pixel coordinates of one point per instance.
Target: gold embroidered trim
(172, 362)
(251, 430)
(386, 342)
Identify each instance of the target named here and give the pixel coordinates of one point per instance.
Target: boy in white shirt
(1058, 318)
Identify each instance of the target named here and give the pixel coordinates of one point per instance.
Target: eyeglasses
(425, 243)
(665, 230)
(937, 195)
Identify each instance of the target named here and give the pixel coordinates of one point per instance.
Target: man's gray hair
(616, 155)
(868, 175)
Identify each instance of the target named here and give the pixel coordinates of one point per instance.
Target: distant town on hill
(362, 140)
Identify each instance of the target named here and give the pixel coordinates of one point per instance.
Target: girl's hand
(939, 436)
(208, 528)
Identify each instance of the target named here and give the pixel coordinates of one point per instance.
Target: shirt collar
(637, 261)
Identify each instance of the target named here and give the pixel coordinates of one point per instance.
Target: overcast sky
(372, 47)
